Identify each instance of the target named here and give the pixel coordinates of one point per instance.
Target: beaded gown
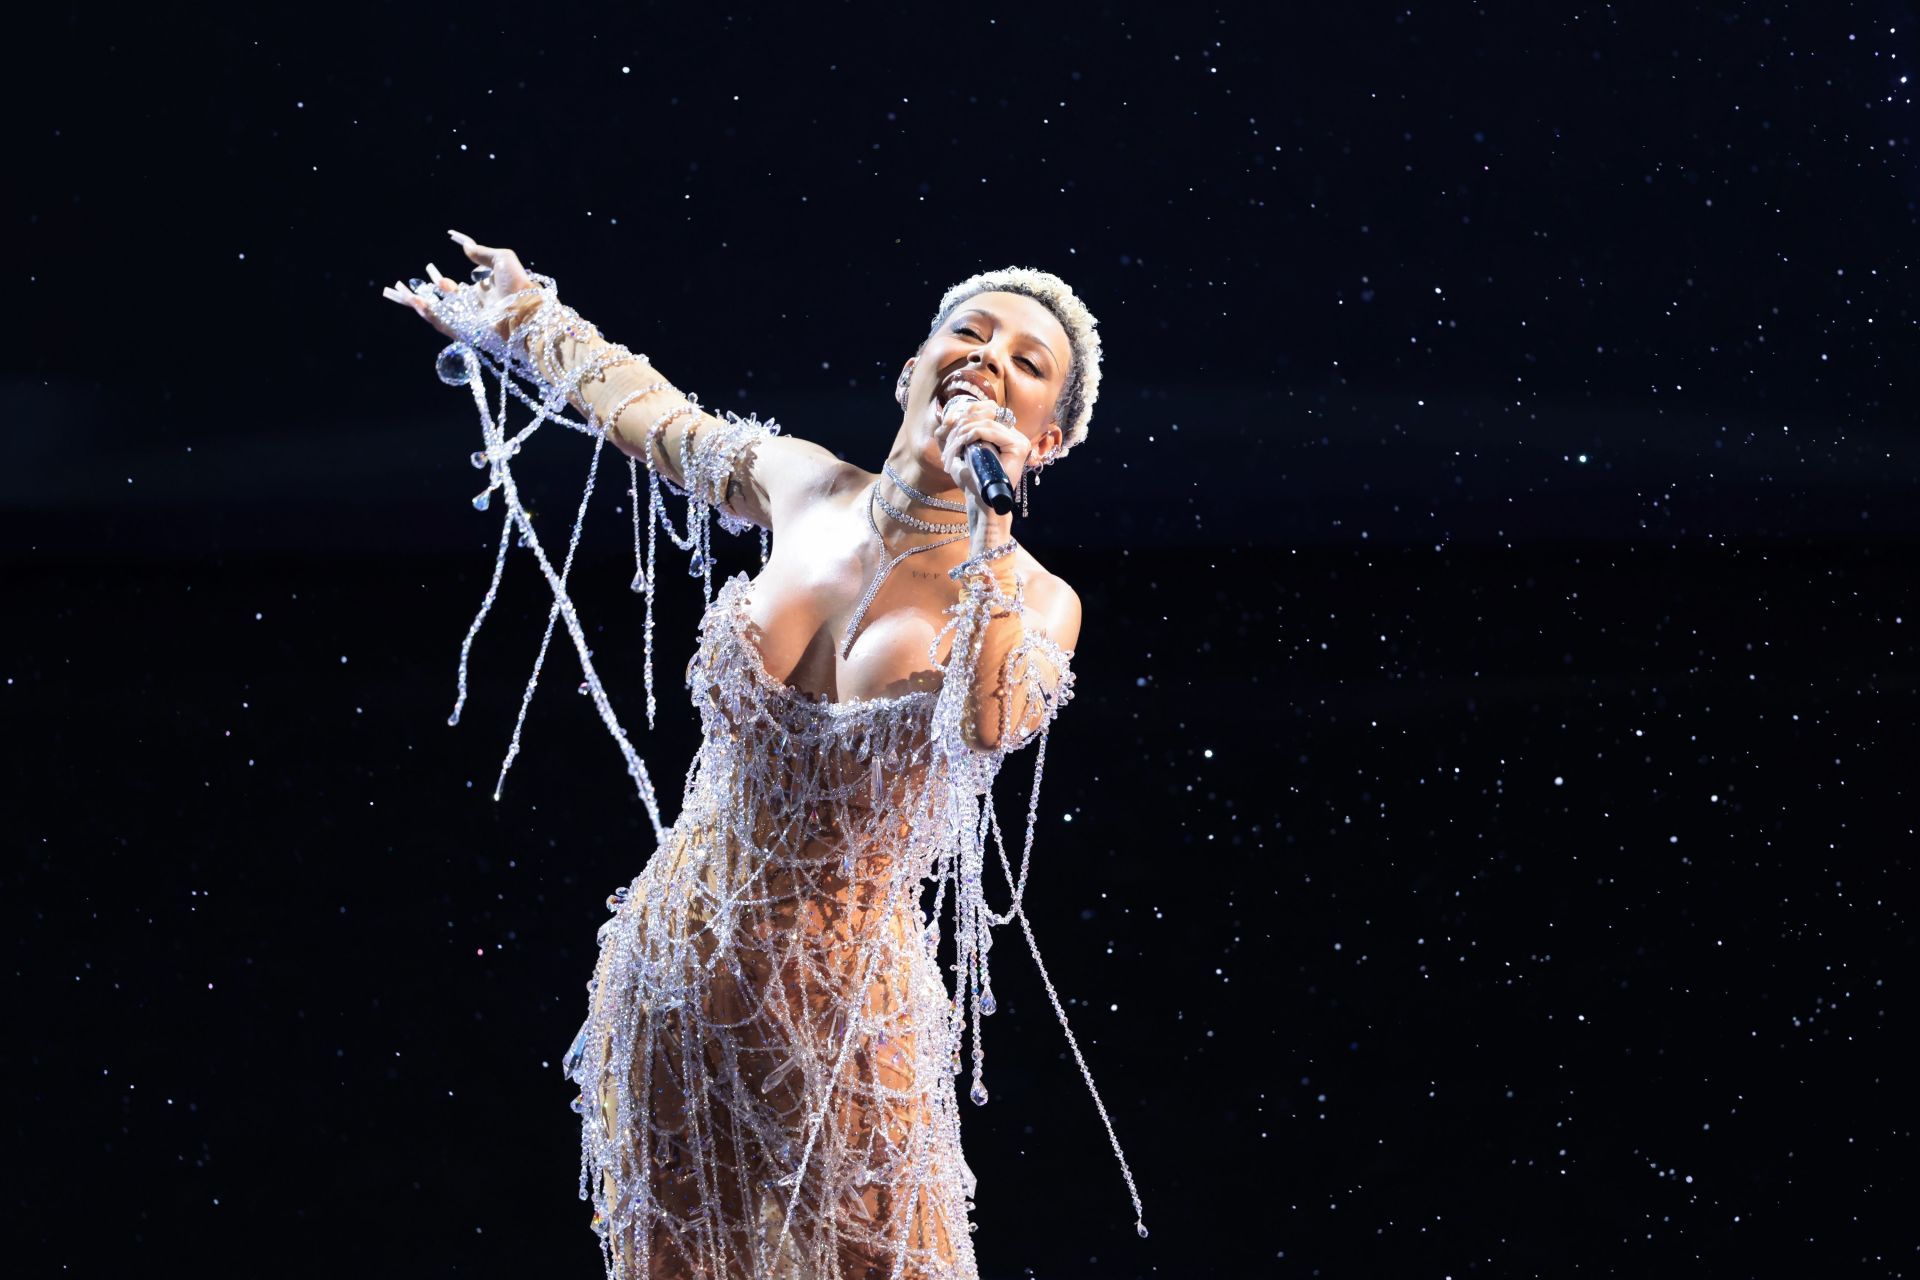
(771, 1051)
(767, 1067)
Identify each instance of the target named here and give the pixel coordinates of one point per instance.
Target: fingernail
(433, 272)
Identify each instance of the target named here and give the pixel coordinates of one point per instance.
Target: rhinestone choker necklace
(938, 504)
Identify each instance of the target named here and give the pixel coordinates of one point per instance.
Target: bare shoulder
(797, 467)
(788, 474)
(1054, 601)
(841, 479)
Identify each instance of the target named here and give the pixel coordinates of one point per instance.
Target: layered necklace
(912, 522)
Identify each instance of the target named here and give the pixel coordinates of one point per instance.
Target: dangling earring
(1024, 472)
(900, 389)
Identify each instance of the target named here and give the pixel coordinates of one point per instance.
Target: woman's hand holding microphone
(965, 421)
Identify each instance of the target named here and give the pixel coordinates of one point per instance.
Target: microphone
(994, 486)
(992, 477)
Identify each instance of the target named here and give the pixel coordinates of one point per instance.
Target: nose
(978, 357)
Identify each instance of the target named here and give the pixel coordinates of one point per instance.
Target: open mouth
(963, 386)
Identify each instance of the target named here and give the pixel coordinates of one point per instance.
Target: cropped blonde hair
(1075, 406)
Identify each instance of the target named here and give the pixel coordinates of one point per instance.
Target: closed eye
(970, 333)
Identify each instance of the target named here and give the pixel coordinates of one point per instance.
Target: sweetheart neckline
(736, 592)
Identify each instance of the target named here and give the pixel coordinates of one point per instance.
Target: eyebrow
(982, 311)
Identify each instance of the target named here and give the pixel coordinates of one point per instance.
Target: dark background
(1491, 827)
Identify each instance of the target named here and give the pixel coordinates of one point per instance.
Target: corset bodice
(799, 768)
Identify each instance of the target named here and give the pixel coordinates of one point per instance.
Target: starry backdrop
(1482, 842)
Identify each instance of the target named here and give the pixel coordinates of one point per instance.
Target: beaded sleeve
(1035, 666)
(1044, 670)
(517, 340)
(723, 460)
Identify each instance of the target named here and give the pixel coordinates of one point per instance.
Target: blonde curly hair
(1074, 408)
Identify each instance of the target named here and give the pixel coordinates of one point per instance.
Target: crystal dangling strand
(483, 351)
(1086, 1072)
(477, 384)
(560, 603)
(656, 514)
(633, 500)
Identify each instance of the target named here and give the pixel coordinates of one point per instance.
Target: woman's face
(1009, 343)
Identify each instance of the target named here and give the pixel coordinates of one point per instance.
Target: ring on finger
(480, 275)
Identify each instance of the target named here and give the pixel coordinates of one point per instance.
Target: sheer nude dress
(767, 1067)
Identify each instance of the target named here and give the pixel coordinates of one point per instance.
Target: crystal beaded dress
(768, 1024)
(767, 1068)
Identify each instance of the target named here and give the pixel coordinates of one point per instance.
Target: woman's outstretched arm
(623, 392)
(780, 471)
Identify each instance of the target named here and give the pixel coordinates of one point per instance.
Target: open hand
(497, 274)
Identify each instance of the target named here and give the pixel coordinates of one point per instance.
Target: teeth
(965, 387)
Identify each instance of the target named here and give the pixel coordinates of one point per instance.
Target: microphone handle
(992, 477)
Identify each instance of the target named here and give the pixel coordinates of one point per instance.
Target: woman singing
(767, 1067)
